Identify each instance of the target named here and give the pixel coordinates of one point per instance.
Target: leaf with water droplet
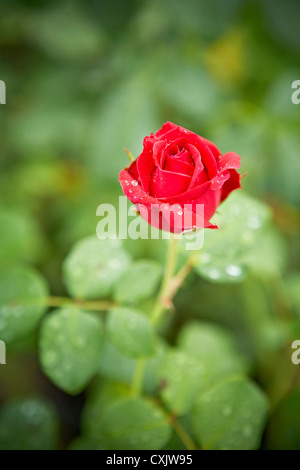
(181, 377)
(116, 366)
(219, 271)
(70, 344)
(93, 267)
(131, 332)
(101, 395)
(134, 424)
(22, 301)
(231, 415)
(270, 248)
(227, 252)
(213, 347)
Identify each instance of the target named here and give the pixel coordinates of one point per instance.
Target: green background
(84, 80)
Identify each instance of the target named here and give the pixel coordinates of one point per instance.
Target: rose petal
(133, 171)
(228, 161)
(173, 163)
(169, 149)
(167, 126)
(207, 156)
(146, 204)
(212, 147)
(167, 184)
(199, 167)
(234, 182)
(218, 181)
(145, 162)
(187, 195)
(157, 151)
(185, 156)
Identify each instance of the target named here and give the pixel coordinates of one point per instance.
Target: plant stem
(181, 432)
(159, 307)
(138, 375)
(169, 287)
(163, 302)
(183, 272)
(54, 301)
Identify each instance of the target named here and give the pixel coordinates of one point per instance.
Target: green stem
(54, 301)
(181, 432)
(138, 375)
(159, 307)
(162, 301)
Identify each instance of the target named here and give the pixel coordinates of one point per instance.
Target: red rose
(180, 173)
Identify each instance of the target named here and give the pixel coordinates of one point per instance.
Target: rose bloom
(179, 179)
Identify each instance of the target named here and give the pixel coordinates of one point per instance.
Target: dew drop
(254, 222)
(134, 183)
(227, 411)
(214, 273)
(247, 431)
(234, 270)
(51, 358)
(205, 258)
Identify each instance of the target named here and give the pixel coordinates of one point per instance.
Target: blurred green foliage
(84, 80)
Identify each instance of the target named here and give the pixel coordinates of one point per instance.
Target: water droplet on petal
(134, 183)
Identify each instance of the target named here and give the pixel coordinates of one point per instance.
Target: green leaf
(241, 221)
(135, 424)
(214, 348)
(182, 376)
(131, 332)
(231, 416)
(270, 248)
(28, 424)
(139, 282)
(221, 271)
(284, 426)
(22, 294)
(93, 267)
(84, 443)
(114, 365)
(70, 344)
(101, 395)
